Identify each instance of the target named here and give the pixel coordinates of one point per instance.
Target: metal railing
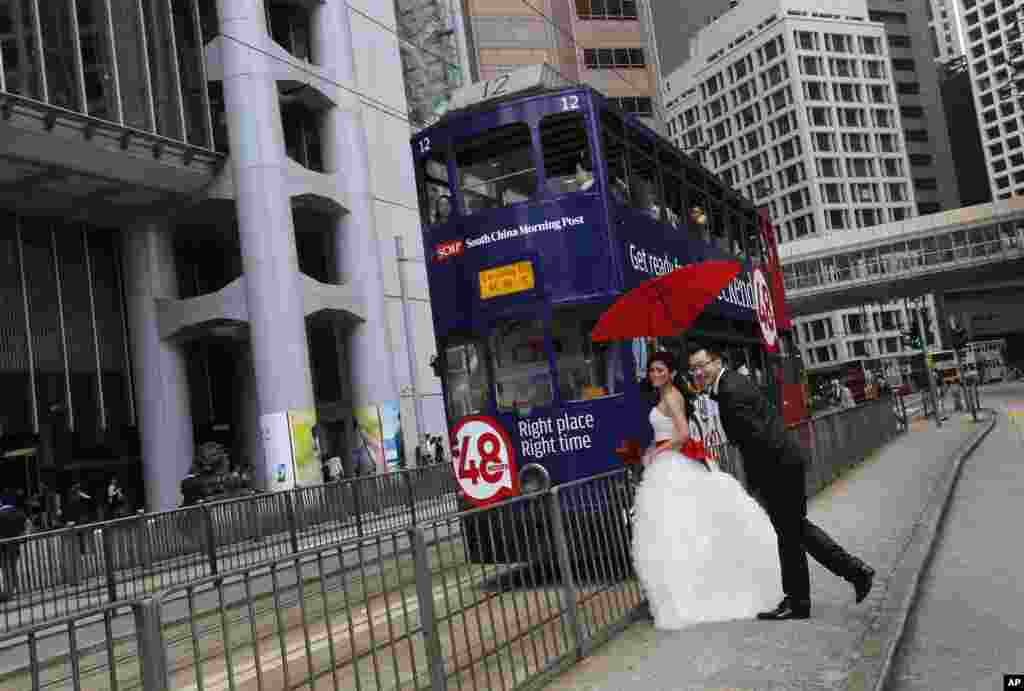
(907, 263)
(494, 598)
(56, 573)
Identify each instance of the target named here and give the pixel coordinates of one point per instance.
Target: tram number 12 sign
(483, 460)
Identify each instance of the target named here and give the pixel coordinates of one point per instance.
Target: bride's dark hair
(669, 360)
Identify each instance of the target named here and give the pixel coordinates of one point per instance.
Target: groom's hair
(713, 351)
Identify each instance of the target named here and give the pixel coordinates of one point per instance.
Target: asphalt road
(967, 629)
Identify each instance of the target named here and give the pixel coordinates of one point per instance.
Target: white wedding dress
(703, 549)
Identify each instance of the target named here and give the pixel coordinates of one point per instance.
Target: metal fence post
(72, 544)
(425, 597)
(211, 542)
(567, 593)
(410, 496)
(290, 518)
(142, 540)
(152, 656)
(107, 539)
(357, 505)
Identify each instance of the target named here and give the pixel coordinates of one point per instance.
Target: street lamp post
(927, 370)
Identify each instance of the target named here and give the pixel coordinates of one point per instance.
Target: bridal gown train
(703, 549)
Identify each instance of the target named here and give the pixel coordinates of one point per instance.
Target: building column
(280, 350)
(161, 382)
(359, 258)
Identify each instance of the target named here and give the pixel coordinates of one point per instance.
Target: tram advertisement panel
(652, 249)
(558, 250)
(489, 451)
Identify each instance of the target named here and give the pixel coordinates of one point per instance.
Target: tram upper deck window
(437, 190)
(671, 166)
(466, 379)
(613, 141)
(644, 181)
(586, 370)
(567, 162)
(522, 374)
(496, 169)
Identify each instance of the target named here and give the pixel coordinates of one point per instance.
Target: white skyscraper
(991, 35)
(793, 103)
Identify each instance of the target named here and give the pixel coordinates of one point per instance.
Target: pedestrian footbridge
(933, 253)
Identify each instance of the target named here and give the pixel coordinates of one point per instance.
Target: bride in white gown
(703, 548)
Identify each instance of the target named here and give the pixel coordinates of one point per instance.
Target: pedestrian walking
(775, 468)
(115, 498)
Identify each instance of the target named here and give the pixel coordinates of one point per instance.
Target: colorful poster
(391, 432)
(369, 442)
(279, 470)
(303, 447)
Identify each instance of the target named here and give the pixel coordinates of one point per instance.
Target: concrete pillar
(269, 257)
(161, 382)
(358, 255)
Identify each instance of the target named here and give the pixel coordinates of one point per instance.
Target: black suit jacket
(756, 428)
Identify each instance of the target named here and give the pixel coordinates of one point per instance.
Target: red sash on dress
(692, 448)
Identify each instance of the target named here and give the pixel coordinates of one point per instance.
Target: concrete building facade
(201, 201)
(602, 43)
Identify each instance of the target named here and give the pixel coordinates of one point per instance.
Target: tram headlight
(533, 478)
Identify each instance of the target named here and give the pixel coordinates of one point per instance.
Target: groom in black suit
(775, 468)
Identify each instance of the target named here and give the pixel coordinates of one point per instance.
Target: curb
(888, 629)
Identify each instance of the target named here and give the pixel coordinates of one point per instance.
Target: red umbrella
(666, 305)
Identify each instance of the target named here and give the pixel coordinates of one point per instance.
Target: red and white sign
(765, 310)
(446, 250)
(483, 460)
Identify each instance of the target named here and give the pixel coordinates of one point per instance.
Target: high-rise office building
(992, 42)
(912, 52)
(602, 43)
(946, 42)
(796, 107)
(435, 55)
(796, 104)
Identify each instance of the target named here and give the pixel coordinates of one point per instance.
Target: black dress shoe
(788, 609)
(863, 581)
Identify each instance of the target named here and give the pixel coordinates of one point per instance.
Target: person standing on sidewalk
(775, 468)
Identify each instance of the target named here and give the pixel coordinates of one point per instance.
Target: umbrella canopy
(665, 305)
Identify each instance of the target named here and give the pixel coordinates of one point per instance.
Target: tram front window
(522, 375)
(437, 191)
(567, 162)
(586, 370)
(466, 380)
(496, 169)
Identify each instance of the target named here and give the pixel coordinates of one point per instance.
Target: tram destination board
(506, 280)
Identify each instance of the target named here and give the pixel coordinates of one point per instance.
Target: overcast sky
(674, 20)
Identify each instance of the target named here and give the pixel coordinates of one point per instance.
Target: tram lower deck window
(522, 374)
(496, 169)
(586, 370)
(466, 380)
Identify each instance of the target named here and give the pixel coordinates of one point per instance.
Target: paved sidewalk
(879, 511)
